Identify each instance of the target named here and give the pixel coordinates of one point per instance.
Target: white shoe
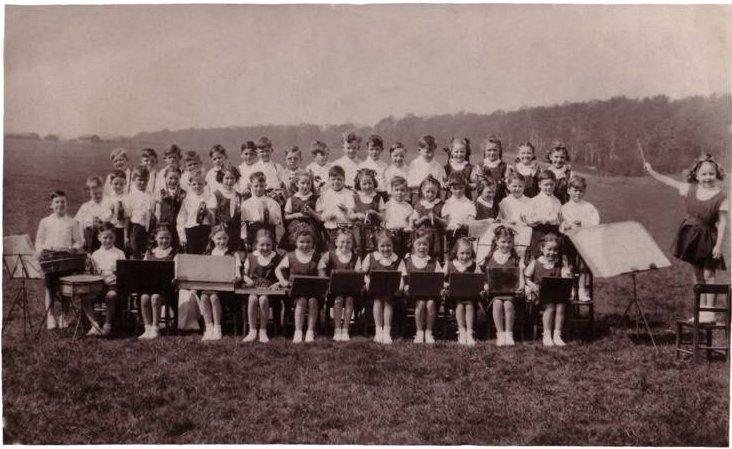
(469, 339)
(461, 337)
(106, 330)
(584, 296)
(547, 340)
(500, 338)
(309, 337)
(558, 340)
(508, 339)
(154, 332)
(216, 333)
(337, 334)
(62, 324)
(145, 334)
(428, 338)
(51, 322)
(263, 338)
(207, 333)
(250, 337)
(344, 335)
(297, 337)
(379, 335)
(94, 331)
(419, 337)
(386, 337)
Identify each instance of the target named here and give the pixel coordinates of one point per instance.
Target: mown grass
(613, 389)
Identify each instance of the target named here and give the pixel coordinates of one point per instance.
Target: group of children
(357, 214)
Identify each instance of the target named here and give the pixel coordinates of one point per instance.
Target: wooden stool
(700, 336)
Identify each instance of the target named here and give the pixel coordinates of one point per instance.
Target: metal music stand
(19, 265)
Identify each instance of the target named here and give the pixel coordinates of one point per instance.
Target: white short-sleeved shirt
(419, 169)
(512, 209)
(253, 209)
(328, 204)
(114, 201)
(105, 260)
(58, 232)
(350, 166)
(189, 209)
(397, 214)
(91, 210)
(544, 208)
(581, 211)
(139, 207)
(380, 168)
(458, 211)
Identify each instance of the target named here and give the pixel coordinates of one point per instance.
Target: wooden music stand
(200, 272)
(309, 286)
(466, 286)
(503, 281)
(346, 282)
(384, 283)
(554, 290)
(425, 284)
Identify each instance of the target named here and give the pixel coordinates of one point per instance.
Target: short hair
(299, 174)
(336, 170)
(196, 175)
(302, 232)
(578, 182)
(263, 232)
(318, 147)
(264, 143)
(456, 178)
(57, 194)
(94, 181)
(558, 145)
(293, 149)
(345, 232)
(107, 227)
(426, 142)
(464, 141)
(350, 137)
(365, 173)
(551, 237)
(117, 174)
(396, 146)
(462, 241)
(118, 152)
(216, 229)
(528, 145)
(429, 180)
(486, 181)
(163, 227)
(545, 174)
(494, 141)
(227, 168)
(375, 140)
(140, 172)
(249, 145)
(173, 150)
(191, 156)
(420, 234)
(171, 169)
(217, 149)
(150, 152)
(257, 176)
(398, 181)
(383, 235)
(512, 176)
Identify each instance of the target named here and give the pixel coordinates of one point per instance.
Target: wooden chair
(693, 337)
(580, 315)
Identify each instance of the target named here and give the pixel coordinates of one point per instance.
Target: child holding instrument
(383, 259)
(543, 216)
(56, 232)
(558, 158)
(300, 210)
(527, 167)
(139, 207)
(171, 157)
(336, 204)
(218, 157)
(293, 159)
(260, 211)
(116, 201)
(302, 261)
(374, 148)
(397, 213)
(549, 263)
(423, 166)
(228, 204)
(503, 255)
(458, 155)
(341, 258)
(258, 271)
(196, 216)
(150, 303)
(319, 167)
(246, 168)
(458, 210)
(93, 213)
(427, 215)
(492, 166)
(398, 167)
(425, 310)
(349, 162)
(210, 301)
(366, 212)
(462, 260)
(104, 261)
(574, 214)
(168, 201)
(700, 238)
(120, 161)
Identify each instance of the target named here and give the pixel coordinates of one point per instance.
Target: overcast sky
(125, 69)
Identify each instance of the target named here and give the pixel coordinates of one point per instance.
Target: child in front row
(210, 301)
(150, 302)
(302, 261)
(397, 215)
(462, 260)
(503, 255)
(258, 270)
(341, 258)
(104, 261)
(383, 259)
(549, 264)
(425, 310)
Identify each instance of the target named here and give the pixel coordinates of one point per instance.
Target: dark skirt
(694, 244)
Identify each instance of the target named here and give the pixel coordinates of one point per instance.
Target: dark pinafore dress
(292, 226)
(230, 219)
(333, 263)
(560, 190)
(150, 255)
(411, 268)
(467, 172)
(169, 208)
(512, 262)
(364, 233)
(531, 183)
(472, 268)
(498, 174)
(697, 233)
(436, 230)
(263, 275)
(540, 272)
(302, 269)
(484, 212)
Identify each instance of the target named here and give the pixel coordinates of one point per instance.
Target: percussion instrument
(201, 272)
(259, 291)
(53, 262)
(81, 284)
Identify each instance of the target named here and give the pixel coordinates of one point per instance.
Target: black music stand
(425, 285)
(19, 265)
(309, 286)
(346, 282)
(555, 290)
(384, 283)
(635, 301)
(503, 281)
(465, 286)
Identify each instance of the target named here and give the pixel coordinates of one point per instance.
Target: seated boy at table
(104, 261)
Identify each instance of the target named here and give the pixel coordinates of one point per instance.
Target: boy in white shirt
(120, 161)
(335, 205)
(171, 157)
(374, 147)
(217, 153)
(246, 168)
(397, 214)
(320, 166)
(273, 172)
(514, 210)
(139, 207)
(104, 261)
(349, 162)
(260, 211)
(93, 213)
(116, 200)
(293, 159)
(149, 159)
(398, 167)
(458, 210)
(574, 214)
(423, 166)
(196, 216)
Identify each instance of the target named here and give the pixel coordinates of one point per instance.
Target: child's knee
(338, 302)
(156, 300)
(264, 302)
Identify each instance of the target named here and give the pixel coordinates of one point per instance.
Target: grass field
(613, 389)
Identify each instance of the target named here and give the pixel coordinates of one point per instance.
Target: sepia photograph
(377, 224)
